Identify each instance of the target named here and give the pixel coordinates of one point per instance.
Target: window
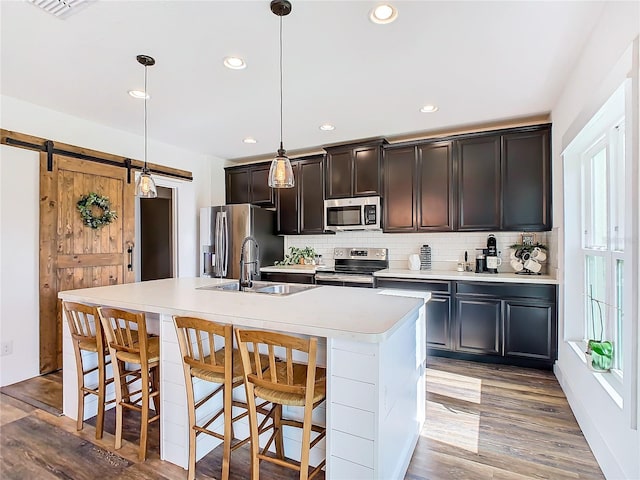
(602, 222)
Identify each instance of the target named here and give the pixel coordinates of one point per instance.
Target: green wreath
(86, 204)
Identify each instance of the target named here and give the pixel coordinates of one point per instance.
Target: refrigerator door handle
(218, 245)
(225, 241)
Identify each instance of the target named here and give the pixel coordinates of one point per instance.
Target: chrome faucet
(248, 281)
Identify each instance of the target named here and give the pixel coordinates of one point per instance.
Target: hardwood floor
(483, 422)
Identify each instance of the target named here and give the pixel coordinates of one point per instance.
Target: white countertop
(353, 313)
(466, 276)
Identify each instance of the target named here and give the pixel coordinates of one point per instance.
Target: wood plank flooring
(483, 422)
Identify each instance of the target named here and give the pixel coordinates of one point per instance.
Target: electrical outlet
(6, 348)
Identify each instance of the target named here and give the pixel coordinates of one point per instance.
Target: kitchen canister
(425, 257)
(414, 262)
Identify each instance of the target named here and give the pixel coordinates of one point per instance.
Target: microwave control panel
(370, 215)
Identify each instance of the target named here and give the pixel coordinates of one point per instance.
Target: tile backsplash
(446, 248)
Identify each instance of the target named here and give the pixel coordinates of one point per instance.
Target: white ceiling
(478, 61)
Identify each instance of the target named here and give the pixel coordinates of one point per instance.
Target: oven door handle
(345, 278)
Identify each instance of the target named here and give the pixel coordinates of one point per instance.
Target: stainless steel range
(354, 267)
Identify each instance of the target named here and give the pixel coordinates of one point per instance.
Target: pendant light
(281, 173)
(145, 186)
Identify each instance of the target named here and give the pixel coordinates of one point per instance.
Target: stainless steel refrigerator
(222, 230)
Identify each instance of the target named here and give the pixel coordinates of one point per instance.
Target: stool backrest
(84, 322)
(197, 340)
(125, 331)
(279, 373)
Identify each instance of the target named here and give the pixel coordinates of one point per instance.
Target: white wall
(608, 429)
(19, 183)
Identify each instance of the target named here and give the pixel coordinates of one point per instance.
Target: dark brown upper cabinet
(479, 183)
(526, 180)
(399, 193)
(354, 170)
(435, 187)
(418, 188)
(249, 184)
(300, 210)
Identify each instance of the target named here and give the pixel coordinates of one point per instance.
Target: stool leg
(80, 375)
(101, 396)
(253, 428)
(144, 422)
(120, 386)
(306, 440)
(191, 475)
(277, 425)
(155, 384)
(227, 392)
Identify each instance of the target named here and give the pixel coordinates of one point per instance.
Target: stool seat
(299, 378)
(216, 377)
(153, 352)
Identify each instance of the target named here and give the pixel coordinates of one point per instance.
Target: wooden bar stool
(282, 382)
(197, 340)
(87, 336)
(134, 356)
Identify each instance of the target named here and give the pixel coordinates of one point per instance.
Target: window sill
(609, 381)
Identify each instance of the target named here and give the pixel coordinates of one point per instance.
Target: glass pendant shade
(281, 173)
(145, 186)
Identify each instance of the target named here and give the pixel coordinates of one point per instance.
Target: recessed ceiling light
(249, 140)
(234, 63)
(384, 13)
(139, 94)
(429, 109)
(327, 127)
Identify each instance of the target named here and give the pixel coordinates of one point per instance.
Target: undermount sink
(268, 288)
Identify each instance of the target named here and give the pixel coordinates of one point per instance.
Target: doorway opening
(157, 236)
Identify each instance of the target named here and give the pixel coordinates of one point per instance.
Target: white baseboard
(604, 456)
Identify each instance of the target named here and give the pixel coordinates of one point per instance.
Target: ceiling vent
(60, 8)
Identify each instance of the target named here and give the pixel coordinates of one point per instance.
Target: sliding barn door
(74, 255)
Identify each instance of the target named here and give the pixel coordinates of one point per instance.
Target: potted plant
(298, 256)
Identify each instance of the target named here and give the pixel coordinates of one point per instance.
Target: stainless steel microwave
(358, 213)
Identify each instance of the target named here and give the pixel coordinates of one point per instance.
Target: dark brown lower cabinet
(477, 327)
(529, 329)
(510, 323)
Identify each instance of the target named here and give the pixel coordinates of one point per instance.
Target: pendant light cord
(281, 83)
(146, 95)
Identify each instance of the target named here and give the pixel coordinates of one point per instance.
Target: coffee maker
(492, 259)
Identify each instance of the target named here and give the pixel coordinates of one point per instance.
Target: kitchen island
(373, 345)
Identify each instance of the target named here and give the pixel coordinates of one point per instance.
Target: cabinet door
(478, 325)
(435, 187)
(526, 181)
(260, 193)
(399, 208)
(438, 322)
(529, 330)
(287, 206)
(237, 185)
(366, 171)
(311, 178)
(479, 183)
(339, 174)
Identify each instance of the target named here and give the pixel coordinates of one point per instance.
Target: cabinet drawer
(508, 290)
(439, 286)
